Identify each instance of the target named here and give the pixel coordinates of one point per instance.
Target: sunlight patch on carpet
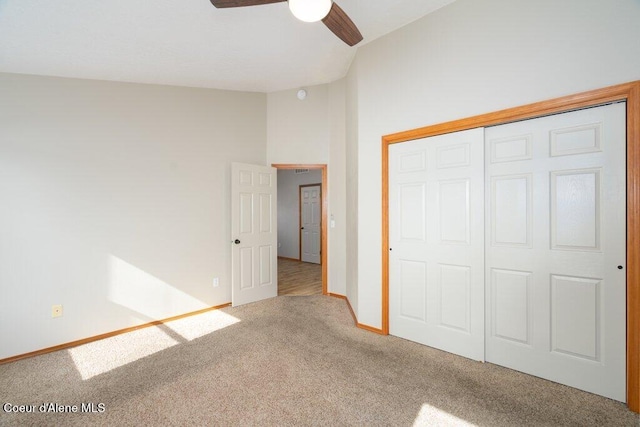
(193, 327)
(432, 416)
(102, 356)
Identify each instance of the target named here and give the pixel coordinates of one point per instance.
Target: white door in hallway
(436, 239)
(555, 248)
(254, 234)
(310, 223)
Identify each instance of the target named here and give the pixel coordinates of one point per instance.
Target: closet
(507, 245)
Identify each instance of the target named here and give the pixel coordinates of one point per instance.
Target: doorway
(296, 275)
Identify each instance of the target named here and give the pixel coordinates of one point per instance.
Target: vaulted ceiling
(188, 42)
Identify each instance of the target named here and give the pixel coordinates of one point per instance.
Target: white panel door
(555, 248)
(436, 239)
(310, 218)
(254, 233)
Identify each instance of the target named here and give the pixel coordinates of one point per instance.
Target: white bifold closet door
(519, 228)
(555, 248)
(436, 239)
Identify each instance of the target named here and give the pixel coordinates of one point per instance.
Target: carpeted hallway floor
(286, 361)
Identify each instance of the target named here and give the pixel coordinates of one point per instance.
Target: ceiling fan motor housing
(333, 17)
(310, 10)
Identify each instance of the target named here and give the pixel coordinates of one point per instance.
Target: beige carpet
(286, 361)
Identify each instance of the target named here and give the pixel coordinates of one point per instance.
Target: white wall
(473, 57)
(115, 203)
(337, 176)
(289, 184)
(351, 160)
(298, 131)
(312, 132)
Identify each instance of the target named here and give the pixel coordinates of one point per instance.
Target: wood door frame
(629, 92)
(323, 227)
(300, 187)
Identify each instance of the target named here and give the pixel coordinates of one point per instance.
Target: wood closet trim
(629, 92)
(323, 227)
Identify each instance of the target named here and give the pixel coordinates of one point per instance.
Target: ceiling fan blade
(342, 26)
(241, 3)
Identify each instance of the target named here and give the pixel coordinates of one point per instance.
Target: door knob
(301, 228)
(237, 242)
(619, 267)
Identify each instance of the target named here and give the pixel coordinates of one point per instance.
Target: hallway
(296, 278)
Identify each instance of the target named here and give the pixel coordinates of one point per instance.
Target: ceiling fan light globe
(310, 10)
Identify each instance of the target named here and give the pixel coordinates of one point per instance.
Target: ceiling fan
(310, 11)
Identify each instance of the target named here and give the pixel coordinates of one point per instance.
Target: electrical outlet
(56, 310)
(216, 283)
